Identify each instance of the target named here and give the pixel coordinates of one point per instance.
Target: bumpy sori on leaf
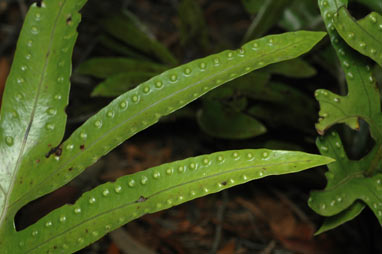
(34, 160)
(351, 184)
(111, 205)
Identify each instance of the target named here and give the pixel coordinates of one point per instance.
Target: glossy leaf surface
(362, 99)
(365, 35)
(346, 181)
(41, 163)
(350, 182)
(111, 205)
(159, 96)
(32, 119)
(337, 220)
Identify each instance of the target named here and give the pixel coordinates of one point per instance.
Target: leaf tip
(318, 35)
(329, 160)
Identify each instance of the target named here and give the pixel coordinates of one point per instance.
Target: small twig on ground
(219, 225)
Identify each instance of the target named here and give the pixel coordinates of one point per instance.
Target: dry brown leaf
(292, 233)
(199, 230)
(280, 218)
(184, 226)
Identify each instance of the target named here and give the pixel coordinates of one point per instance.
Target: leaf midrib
(343, 165)
(31, 119)
(169, 189)
(112, 130)
(357, 24)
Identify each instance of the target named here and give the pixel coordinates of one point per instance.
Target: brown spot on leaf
(56, 150)
(69, 20)
(82, 147)
(224, 183)
(141, 199)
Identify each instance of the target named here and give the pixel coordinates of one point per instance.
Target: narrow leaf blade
(365, 35)
(111, 205)
(349, 182)
(159, 96)
(32, 114)
(337, 220)
(346, 181)
(362, 99)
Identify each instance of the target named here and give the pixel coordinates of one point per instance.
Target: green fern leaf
(362, 99)
(346, 181)
(364, 35)
(143, 106)
(111, 205)
(337, 220)
(33, 119)
(350, 183)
